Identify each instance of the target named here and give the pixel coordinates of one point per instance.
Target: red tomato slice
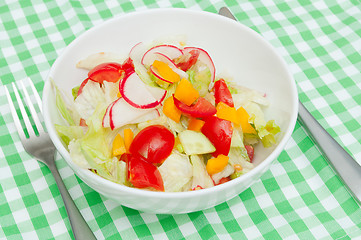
(202, 108)
(190, 62)
(250, 151)
(141, 173)
(154, 143)
(110, 72)
(219, 132)
(222, 93)
(128, 66)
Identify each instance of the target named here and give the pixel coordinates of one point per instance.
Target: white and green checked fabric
(300, 197)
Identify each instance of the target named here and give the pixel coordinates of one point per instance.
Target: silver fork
(41, 147)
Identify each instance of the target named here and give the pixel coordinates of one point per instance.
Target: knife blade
(343, 164)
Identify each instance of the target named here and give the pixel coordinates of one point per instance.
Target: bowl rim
(170, 195)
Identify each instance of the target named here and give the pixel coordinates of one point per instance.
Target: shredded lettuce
(244, 96)
(68, 112)
(68, 133)
(200, 174)
(227, 171)
(176, 171)
(236, 156)
(75, 91)
(237, 142)
(95, 59)
(92, 94)
(266, 130)
(200, 77)
(76, 154)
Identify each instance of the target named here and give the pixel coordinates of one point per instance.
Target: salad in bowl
(161, 119)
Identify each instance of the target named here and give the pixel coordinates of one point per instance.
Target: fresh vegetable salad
(162, 120)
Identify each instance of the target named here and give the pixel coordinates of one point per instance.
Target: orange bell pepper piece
(128, 138)
(195, 124)
(185, 92)
(118, 146)
(170, 110)
(227, 113)
(166, 72)
(243, 119)
(216, 165)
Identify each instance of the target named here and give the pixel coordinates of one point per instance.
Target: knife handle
(346, 167)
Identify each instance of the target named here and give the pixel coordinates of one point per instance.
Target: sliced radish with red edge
(106, 118)
(121, 113)
(205, 58)
(136, 93)
(170, 51)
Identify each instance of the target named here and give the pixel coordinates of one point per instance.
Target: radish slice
(205, 58)
(163, 58)
(148, 116)
(137, 52)
(170, 51)
(106, 118)
(136, 93)
(121, 113)
(158, 93)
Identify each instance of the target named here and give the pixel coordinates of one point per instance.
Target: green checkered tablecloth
(300, 197)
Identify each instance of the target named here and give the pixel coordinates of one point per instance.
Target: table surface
(300, 197)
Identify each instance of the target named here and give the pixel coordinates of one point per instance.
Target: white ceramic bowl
(234, 48)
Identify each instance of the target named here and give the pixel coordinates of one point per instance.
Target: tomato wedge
(190, 61)
(201, 109)
(219, 132)
(222, 93)
(154, 143)
(110, 72)
(141, 173)
(128, 66)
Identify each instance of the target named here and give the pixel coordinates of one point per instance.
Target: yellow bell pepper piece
(243, 118)
(216, 165)
(128, 138)
(170, 110)
(227, 113)
(185, 92)
(118, 146)
(166, 72)
(195, 124)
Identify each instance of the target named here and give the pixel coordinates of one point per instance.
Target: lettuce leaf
(266, 131)
(176, 172)
(200, 77)
(67, 111)
(200, 175)
(68, 133)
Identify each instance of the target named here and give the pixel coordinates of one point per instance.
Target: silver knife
(346, 167)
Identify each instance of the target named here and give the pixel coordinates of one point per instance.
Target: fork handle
(80, 228)
(347, 168)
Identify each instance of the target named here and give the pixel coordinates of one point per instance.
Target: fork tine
(15, 115)
(23, 112)
(36, 94)
(31, 107)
